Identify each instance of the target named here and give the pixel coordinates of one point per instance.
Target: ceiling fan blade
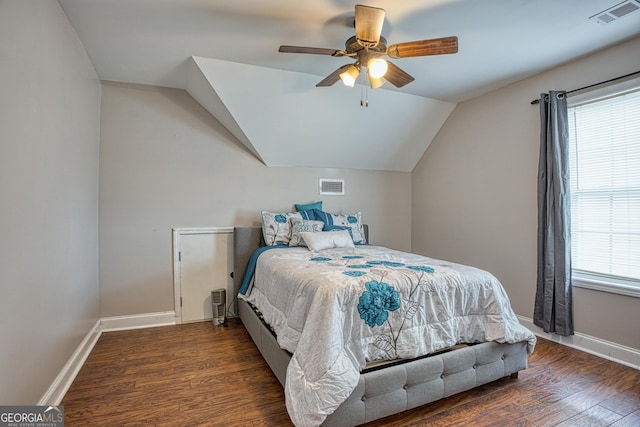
(333, 77)
(396, 76)
(311, 50)
(440, 46)
(369, 22)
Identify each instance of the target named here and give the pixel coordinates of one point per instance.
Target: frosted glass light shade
(377, 68)
(376, 82)
(349, 77)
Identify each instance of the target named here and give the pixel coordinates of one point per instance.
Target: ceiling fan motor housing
(364, 54)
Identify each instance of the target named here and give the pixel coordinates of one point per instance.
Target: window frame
(588, 280)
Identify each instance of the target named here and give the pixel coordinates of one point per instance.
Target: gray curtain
(553, 309)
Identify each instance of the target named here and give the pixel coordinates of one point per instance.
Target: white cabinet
(203, 261)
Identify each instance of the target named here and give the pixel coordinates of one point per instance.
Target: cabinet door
(205, 261)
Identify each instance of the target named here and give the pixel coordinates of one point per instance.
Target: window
(604, 137)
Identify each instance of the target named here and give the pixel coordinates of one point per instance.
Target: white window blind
(605, 187)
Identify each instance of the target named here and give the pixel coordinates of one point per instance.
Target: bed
(378, 388)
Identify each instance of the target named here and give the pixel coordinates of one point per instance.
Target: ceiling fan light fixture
(375, 83)
(377, 68)
(350, 75)
(368, 46)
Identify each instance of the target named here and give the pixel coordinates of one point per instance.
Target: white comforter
(339, 308)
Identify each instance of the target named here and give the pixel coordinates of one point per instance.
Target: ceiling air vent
(616, 12)
(332, 187)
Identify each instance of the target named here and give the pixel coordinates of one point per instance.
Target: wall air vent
(616, 12)
(332, 187)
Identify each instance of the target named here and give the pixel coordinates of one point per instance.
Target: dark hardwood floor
(198, 374)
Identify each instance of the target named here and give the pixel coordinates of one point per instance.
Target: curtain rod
(537, 101)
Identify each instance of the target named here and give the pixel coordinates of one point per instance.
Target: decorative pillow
(355, 223)
(276, 227)
(317, 241)
(328, 227)
(314, 214)
(308, 207)
(298, 226)
(320, 215)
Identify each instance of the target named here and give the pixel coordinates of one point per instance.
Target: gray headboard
(245, 241)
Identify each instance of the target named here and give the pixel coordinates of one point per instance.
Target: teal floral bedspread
(338, 309)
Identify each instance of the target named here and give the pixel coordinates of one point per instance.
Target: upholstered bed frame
(394, 388)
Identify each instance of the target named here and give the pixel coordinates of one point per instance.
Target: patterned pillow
(276, 227)
(299, 226)
(331, 220)
(355, 223)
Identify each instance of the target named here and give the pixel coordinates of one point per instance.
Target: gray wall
(49, 142)
(474, 192)
(165, 162)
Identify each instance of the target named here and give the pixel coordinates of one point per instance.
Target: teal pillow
(308, 206)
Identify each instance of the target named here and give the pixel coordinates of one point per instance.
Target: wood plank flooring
(200, 375)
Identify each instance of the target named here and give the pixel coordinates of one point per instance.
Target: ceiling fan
(368, 47)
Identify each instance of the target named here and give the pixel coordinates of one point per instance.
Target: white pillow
(317, 241)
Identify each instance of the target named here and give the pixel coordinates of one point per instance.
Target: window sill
(603, 285)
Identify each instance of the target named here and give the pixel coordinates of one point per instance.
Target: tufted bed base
(394, 388)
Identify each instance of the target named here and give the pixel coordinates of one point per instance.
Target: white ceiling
(163, 42)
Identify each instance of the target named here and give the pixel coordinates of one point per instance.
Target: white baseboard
(606, 349)
(138, 321)
(63, 381)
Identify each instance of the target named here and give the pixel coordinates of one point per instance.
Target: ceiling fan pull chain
(364, 96)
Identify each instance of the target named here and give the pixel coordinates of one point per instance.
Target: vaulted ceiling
(225, 54)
